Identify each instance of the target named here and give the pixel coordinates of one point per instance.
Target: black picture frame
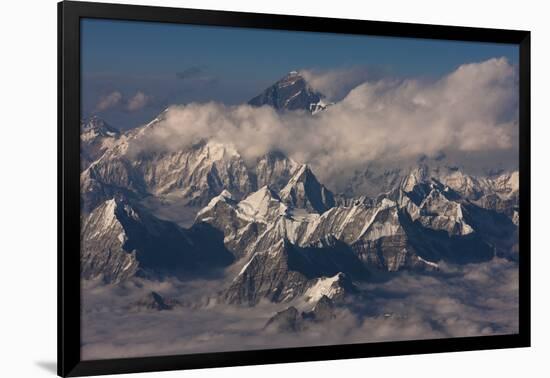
(69, 15)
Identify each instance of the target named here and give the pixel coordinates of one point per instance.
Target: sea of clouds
(458, 301)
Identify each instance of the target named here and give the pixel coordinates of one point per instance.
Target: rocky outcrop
(153, 301)
(286, 321)
(303, 191)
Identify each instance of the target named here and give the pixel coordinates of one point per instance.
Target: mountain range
(292, 236)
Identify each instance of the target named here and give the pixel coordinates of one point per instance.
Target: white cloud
(138, 101)
(116, 99)
(109, 101)
(473, 109)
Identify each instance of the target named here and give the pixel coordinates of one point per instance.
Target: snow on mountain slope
(195, 175)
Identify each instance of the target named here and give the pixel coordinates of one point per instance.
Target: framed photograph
(239, 188)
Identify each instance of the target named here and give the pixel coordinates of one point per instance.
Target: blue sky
(171, 63)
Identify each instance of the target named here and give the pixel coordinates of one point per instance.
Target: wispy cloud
(138, 101)
(116, 100)
(109, 101)
(196, 74)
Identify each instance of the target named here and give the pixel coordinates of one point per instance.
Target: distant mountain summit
(95, 126)
(292, 92)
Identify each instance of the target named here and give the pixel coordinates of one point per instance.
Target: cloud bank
(473, 109)
(471, 300)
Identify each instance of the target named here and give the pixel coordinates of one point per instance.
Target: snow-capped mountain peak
(291, 92)
(304, 191)
(263, 204)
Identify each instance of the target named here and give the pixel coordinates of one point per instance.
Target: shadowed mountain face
(286, 271)
(290, 93)
(120, 240)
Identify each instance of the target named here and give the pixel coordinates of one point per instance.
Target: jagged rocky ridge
(416, 226)
(195, 175)
(96, 136)
(120, 240)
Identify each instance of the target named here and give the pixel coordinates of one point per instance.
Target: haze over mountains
(272, 229)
